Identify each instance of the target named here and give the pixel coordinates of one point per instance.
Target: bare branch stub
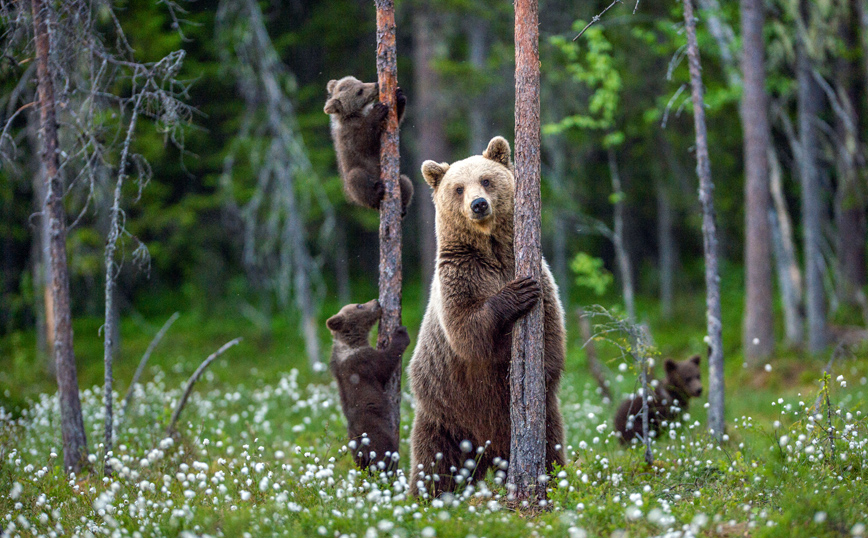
(159, 336)
(390, 207)
(193, 378)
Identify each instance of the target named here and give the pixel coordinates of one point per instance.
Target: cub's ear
(669, 365)
(498, 151)
(335, 323)
(333, 106)
(695, 359)
(434, 172)
(330, 87)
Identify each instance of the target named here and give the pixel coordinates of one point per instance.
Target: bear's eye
(459, 190)
(360, 306)
(359, 92)
(485, 182)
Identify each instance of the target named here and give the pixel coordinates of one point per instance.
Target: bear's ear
(670, 366)
(333, 106)
(330, 87)
(335, 323)
(434, 172)
(695, 359)
(498, 151)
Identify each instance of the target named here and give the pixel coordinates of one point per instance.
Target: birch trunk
(71, 422)
(709, 233)
(390, 208)
(527, 374)
(666, 247)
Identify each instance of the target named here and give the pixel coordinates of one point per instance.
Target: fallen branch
(192, 381)
(141, 368)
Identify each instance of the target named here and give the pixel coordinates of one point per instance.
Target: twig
(193, 379)
(162, 332)
(596, 18)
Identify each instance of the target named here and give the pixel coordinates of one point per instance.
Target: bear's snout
(480, 208)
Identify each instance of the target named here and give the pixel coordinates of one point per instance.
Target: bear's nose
(479, 206)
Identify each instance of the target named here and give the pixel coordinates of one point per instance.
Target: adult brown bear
(459, 372)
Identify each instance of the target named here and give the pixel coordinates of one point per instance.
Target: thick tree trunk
(430, 128)
(527, 373)
(71, 422)
(390, 208)
(709, 234)
(812, 201)
(666, 247)
(789, 274)
(624, 268)
(758, 325)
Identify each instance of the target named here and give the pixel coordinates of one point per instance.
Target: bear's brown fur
(459, 372)
(362, 373)
(357, 121)
(671, 398)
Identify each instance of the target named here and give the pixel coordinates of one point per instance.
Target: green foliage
(590, 273)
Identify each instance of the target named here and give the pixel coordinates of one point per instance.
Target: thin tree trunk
(709, 234)
(40, 260)
(758, 340)
(477, 42)
(789, 274)
(342, 262)
(430, 128)
(71, 422)
(624, 268)
(594, 365)
(809, 107)
(527, 373)
(390, 208)
(666, 247)
(723, 36)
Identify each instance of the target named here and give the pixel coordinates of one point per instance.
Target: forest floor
(261, 448)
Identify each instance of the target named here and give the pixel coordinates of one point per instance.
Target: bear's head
(684, 376)
(477, 193)
(349, 96)
(353, 323)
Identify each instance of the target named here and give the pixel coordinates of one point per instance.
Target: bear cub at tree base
(362, 373)
(671, 398)
(357, 121)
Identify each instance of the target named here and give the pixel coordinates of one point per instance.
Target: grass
(261, 447)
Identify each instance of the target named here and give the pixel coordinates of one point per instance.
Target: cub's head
(354, 321)
(476, 193)
(685, 375)
(350, 95)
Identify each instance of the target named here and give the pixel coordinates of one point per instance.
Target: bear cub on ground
(670, 399)
(357, 121)
(362, 373)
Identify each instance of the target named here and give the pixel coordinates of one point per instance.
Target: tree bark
(709, 234)
(812, 205)
(789, 274)
(666, 247)
(71, 422)
(758, 325)
(624, 268)
(527, 374)
(430, 128)
(390, 208)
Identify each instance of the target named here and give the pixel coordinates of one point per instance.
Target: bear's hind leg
(365, 189)
(437, 451)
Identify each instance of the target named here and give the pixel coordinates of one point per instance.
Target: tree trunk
(624, 268)
(430, 128)
(709, 234)
(789, 274)
(390, 208)
(594, 365)
(812, 206)
(342, 262)
(723, 36)
(477, 42)
(527, 373)
(71, 422)
(758, 337)
(666, 247)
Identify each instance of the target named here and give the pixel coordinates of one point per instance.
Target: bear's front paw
(380, 111)
(379, 190)
(521, 295)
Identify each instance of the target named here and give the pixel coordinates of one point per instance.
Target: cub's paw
(521, 295)
(380, 111)
(401, 339)
(379, 190)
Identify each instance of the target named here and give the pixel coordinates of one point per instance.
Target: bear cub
(362, 373)
(670, 399)
(357, 121)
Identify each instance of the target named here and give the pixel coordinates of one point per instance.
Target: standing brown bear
(362, 373)
(357, 121)
(670, 399)
(459, 372)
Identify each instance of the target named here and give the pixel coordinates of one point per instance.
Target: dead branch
(596, 18)
(594, 365)
(141, 368)
(193, 378)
